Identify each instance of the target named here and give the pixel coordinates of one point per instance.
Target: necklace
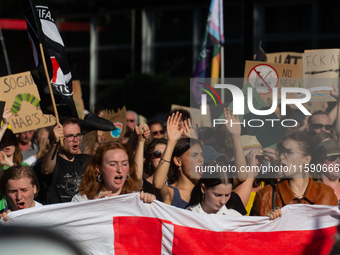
(301, 196)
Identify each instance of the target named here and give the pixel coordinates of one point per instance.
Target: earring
(127, 177)
(179, 168)
(202, 198)
(100, 178)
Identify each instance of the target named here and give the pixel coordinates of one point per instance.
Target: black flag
(42, 29)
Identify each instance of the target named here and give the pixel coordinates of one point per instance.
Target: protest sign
(263, 77)
(321, 71)
(195, 114)
(22, 97)
(292, 58)
(271, 131)
(78, 99)
(119, 120)
(122, 224)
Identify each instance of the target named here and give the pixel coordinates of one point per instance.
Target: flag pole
(5, 52)
(222, 72)
(50, 88)
(222, 48)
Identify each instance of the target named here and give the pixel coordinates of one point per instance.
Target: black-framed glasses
(158, 132)
(157, 154)
(333, 158)
(71, 138)
(320, 126)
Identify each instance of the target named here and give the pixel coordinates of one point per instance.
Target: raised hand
(270, 155)
(6, 115)
(335, 92)
(234, 129)
(58, 131)
(190, 129)
(174, 131)
(4, 159)
(143, 132)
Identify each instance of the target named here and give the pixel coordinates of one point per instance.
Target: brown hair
(69, 120)
(8, 135)
(91, 187)
(16, 173)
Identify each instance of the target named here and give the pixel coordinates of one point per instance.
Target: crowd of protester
(168, 160)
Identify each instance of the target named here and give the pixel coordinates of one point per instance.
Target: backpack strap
(274, 196)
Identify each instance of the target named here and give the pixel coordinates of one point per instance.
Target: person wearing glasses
(156, 129)
(153, 154)
(331, 159)
(131, 119)
(319, 122)
(298, 154)
(60, 175)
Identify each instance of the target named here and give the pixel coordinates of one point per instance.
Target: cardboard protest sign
(78, 99)
(119, 120)
(89, 141)
(195, 114)
(22, 97)
(271, 131)
(291, 58)
(321, 71)
(263, 77)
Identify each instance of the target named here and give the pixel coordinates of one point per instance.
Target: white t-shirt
(223, 211)
(78, 198)
(36, 204)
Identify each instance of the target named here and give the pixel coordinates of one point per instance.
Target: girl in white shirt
(19, 184)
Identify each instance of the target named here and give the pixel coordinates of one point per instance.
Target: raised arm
(162, 191)
(244, 189)
(50, 158)
(235, 131)
(335, 94)
(5, 116)
(143, 133)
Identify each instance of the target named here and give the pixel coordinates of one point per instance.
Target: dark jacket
(316, 194)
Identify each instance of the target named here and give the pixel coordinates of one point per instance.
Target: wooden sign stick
(51, 91)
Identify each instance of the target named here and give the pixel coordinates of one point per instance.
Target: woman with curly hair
(111, 172)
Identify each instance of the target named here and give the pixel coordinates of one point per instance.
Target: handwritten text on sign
(21, 96)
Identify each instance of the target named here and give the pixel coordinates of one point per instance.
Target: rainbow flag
(209, 57)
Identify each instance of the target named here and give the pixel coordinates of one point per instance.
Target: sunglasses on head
(333, 158)
(157, 154)
(320, 126)
(158, 132)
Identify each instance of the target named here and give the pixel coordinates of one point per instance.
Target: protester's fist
(58, 131)
(147, 197)
(273, 214)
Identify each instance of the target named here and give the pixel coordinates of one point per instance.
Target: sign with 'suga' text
(263, 77)
(21, 96)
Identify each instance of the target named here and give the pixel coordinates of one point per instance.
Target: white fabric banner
(125, 225)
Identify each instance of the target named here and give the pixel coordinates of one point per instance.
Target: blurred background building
(131, 51)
